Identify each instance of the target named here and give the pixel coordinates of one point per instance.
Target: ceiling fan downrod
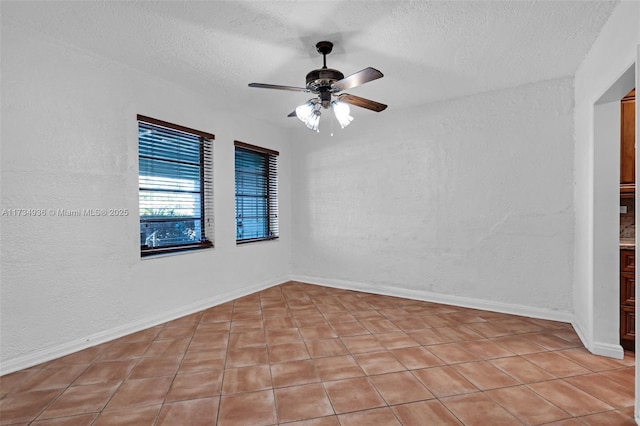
(324, 48)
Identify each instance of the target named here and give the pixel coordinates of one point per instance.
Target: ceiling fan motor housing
(323, 77)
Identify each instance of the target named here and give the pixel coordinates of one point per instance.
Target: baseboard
(55, 352)
(586, 341)
(445, 299)
(608, 349)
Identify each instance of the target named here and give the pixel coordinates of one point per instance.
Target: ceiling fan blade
(363, 76)
(293, 114)
(278, 87)
(362, 102)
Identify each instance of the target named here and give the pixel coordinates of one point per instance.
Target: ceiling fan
(327, 83)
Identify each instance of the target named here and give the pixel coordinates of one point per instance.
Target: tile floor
(300, 354)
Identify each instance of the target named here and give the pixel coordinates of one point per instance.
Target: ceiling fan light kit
(326, 83)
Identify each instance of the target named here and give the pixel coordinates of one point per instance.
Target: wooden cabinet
(627, 299)
(627, 144)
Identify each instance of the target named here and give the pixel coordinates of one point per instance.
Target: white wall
(468, 201)
(601, 79)
(69, 141)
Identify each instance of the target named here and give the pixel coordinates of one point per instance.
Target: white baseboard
(58, 351)
(598, 348)
(586, 341)
(608, 349)
(446, 299)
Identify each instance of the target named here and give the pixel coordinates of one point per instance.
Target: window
(176, 187)
(256, 193)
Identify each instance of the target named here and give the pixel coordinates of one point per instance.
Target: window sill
(168, 251)
(255, 240)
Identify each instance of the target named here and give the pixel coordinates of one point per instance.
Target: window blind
(256, 193)
(175, 187)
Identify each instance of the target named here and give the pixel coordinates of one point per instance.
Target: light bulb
(342, 111)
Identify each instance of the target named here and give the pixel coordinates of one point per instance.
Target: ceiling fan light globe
(313, 123)
(342, 112)
(305, 111)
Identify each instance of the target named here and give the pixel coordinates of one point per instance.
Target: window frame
(206, 188)
(271, 196)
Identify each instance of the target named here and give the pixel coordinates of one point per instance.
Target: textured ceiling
(428, 51)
